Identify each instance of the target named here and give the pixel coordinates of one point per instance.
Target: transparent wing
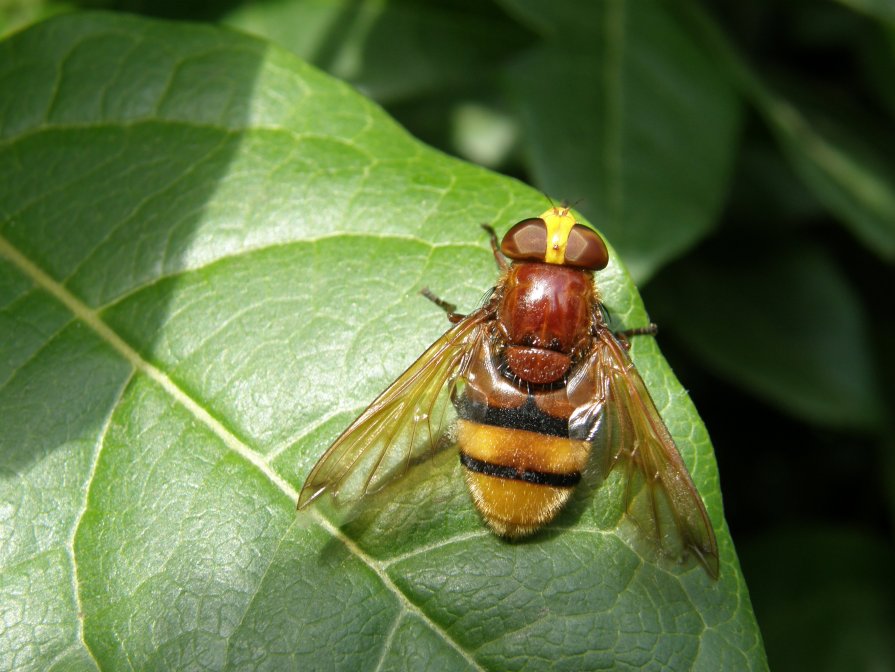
(659, 494)
(400, 425)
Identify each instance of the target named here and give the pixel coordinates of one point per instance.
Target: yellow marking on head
(559, 223)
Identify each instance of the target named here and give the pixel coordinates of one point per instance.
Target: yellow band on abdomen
(514, 506)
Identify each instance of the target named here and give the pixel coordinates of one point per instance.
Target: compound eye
(586, 249)
(526, 241)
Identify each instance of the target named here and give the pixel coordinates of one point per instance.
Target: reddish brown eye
(527, 240)
(586, 249)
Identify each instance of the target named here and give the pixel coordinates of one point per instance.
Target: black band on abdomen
(528, 416)
(538, 477)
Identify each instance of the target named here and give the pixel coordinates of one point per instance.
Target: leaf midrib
(92, 320)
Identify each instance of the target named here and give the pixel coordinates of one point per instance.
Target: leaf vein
(386, 580)
(97, 452)
(264, 248)
(49, 339)
(456, 539)
(137, 207)
(309, 429)
(260, 583)
(60, 187)
(387, 642)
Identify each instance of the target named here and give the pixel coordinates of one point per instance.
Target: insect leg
(495, 248)
(602, 321)
(649, 330)
(622, 336)
(451, 310)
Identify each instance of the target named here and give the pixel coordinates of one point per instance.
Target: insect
(536, 379)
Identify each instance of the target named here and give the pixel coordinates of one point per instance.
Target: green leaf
(209, 262)
(16, 14)
(623, 113)
(881, 10)
(434, 65)
(877, 55)
(852, 175)
(853, 178)
(784, 323)
(391, 50)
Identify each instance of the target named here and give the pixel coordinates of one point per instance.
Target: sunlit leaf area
(215, 223)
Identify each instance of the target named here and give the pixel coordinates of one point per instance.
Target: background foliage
(761, 233)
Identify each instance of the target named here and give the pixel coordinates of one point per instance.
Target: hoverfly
(535, 378)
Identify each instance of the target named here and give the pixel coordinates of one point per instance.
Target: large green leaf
(209, 262)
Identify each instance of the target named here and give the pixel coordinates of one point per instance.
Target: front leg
(622, 336)
(495, 248)
(449, 308)
(602, 321)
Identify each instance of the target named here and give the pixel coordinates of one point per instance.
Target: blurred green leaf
(391, 50)
(853, 178)
(483, 135)
(847, 166)
(781, 321)
(16, 14)
(883, 10)
(625, 115)
(877, 55)
(209, 258)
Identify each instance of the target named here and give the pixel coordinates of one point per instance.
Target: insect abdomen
(519, 479)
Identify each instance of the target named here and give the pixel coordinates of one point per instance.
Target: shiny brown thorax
(545, 314)
(525, 376)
